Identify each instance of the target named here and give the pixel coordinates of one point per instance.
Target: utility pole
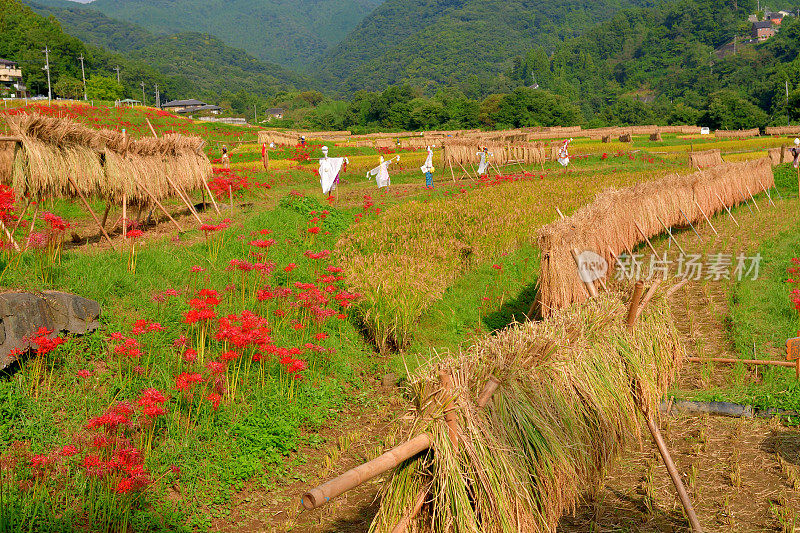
(143, 96)
(158, 98)
(255, 114)
(787, 102)
(117, 69)
(47, 68)
(735, 38)
(83, 73)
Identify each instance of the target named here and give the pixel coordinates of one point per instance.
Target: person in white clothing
(381, 172)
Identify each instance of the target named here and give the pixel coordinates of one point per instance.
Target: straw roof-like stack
(782, 130)
(705, 159)
(776, 157)
(609, 223)
(278, 137)
(465, 152)
(568, 405)
(102, 162)
(737, 134)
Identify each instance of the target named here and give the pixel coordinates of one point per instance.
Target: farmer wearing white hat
(795, 151)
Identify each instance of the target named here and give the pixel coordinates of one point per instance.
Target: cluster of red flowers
(127, 346)
(7, 204)
(55, 222)
(226, 182)
(794, 271)
(212, 228)
(202, 307)
(44, 341)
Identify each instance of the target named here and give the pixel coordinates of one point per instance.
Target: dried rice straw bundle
(569, 404)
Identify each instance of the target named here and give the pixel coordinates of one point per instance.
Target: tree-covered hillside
(185, 65)
(286, 32)
(444, 42)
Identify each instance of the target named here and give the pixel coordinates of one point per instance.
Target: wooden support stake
(160, 206)
(419, 501)
(10, 237)
(671, 236)
(33, 223)
(105, 214)
(786, 364)
(91, 212)
(446, 379)
(648, 296)
(211, 195)
(690, 223)
(705, 216)
(766, 191)
(488, 391)
(152, 129)
(354, 477)
(675, 288)
(560, 213)
(751, 197)
(124, 215)
(673, 473)
(645, 237)
(728, 209)
(450, 162)
(634, 305)
(185, 199)
(590, 288)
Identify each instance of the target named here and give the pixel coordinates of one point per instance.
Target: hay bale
(608, 222)
(6, 160)
(606, 138)
(656, 137)
(776, 156)
(625, 138)
(568, 406)
(737, 134)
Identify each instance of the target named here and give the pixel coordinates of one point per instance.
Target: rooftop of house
(204, 107)
(183, 103)
(275, 111)
(762, 24)
(7, 63)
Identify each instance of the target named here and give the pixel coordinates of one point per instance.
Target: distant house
(191, 106)
(11, 80)
(275, 112)
(762, 30)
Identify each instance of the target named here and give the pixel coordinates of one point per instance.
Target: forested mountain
(286, 32)
(444, 42)
(187, 65)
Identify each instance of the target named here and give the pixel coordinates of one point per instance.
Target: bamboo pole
(590, 288)
(634, 305)
(787, 364)
(652, 249)
(766, 191)
(673, 473)
(751, 197)
(182, 197)
(690, 223)
(488, 391)
(105, 214)
(152, 129)
(419, 501)
(671, 236)
(705, 216)
(675, 288)
(21, 216)
(230, 194)
(10, 237)
(354, 477)
(124, 215)
(91, 212)
(728, 209)
(211, 195)
(33, 223)
(449, 162)
(160, 206)
(446, 379)
(649, 296)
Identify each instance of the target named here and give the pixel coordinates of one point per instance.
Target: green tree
(68, 87)
(727, 110)
(104, 88)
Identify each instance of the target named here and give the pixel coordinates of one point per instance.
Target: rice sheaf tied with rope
(570, 400)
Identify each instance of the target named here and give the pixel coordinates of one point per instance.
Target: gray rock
(23, 313)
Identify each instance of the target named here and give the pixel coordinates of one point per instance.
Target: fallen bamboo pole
(705, 216)
(488, 391)
(673, 473)
(91, 212)
(634, 305)
(787, 364)
(675, 288)
(354, 477)
(648, 296)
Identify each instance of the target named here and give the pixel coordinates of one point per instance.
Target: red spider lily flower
(184, 381)
(230, 355)
(180, 342)
(313, 230)
(83, 373)
(134, 234)
(263, 243)
(45, 345)
(68, 451)
(289, 267)
(321, 336)
(216, 367)
(497, 267)
(214, 398)
(56, 223)
(196, 268)
(190, 355)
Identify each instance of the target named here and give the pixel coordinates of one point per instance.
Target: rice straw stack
(609, 223)
(567, 407)
(704, 159)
